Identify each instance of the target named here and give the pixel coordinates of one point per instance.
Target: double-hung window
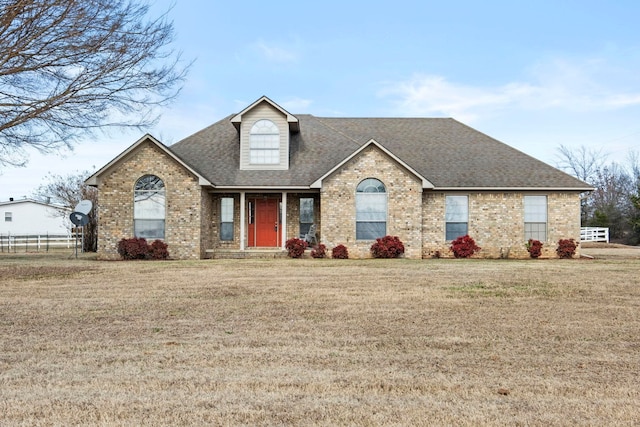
(535, 218)
(226, 218)
(456, 217)
(149, 207)
(264, 143)
(371, 210)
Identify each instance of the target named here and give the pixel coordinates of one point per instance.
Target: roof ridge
(376, 117)
(318, 119)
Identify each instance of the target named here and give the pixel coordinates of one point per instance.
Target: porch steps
(246, 254)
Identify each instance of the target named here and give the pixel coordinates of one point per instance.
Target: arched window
(264, 143)
(149, 207)
(371, 210)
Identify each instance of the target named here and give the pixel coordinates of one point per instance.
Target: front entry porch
(259, 223)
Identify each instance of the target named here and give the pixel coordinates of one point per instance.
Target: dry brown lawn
(319, 342)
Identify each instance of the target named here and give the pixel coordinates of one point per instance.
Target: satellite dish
(79, 219)
(84, 207)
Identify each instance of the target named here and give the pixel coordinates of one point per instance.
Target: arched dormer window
(371, 210)
(264, 143)
(149, 208)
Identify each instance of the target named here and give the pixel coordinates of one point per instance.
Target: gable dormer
(265, 132)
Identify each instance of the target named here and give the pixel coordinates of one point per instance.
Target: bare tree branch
(68, 191)
(70, 67)
(582, 163)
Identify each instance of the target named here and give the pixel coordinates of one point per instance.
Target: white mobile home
(31, 217)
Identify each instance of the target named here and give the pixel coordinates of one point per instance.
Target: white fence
(37, 242)
(594, 234)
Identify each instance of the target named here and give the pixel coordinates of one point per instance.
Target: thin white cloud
(585, 86)
(275, 53)
(298, 105)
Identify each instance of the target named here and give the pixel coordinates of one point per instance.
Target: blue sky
(534, 75)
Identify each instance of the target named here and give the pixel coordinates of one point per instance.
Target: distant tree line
(615, 200)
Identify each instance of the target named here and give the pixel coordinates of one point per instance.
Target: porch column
(243, 230)
(283, 220)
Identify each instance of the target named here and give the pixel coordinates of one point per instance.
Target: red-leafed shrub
(464, 247)
(134, 248)
(387, 247)
(566, 248)
(319, 251)
(138, 248)
(340, 252)
(295, 247)
(158, 250)
(534, 247)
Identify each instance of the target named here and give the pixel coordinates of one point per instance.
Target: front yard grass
(319, 342)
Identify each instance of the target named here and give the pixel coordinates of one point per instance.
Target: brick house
(259, 177)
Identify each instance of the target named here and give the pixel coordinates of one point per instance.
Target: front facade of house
(257, 178)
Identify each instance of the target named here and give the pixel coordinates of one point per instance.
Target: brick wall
(496, 223)
(404, 195)
(184, 199)
(214, 229)
(293, 214)
(496, 219)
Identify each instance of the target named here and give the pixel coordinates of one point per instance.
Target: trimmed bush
(138, 248)
(340, 252)
(534, 247)
(387, 247)
(464, 247)
(134, 248)
(158, 250)
(319, 251)
(295, 247)
(566, 248)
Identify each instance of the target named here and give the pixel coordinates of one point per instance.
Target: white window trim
(546, 217)
(269, 151)
(445, 213)
(222, 218)
(386, 208)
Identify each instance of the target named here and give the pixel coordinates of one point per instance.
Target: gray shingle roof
(444, 151)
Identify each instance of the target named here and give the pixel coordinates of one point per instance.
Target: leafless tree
(67, 191)
(70, 67)
(585, 165)
(611, 200)
(582, 162)
(613, 203)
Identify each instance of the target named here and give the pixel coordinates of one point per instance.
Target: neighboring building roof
(30, 217)
(442, 151)
(31, 201)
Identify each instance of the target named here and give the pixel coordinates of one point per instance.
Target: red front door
(264, 223)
